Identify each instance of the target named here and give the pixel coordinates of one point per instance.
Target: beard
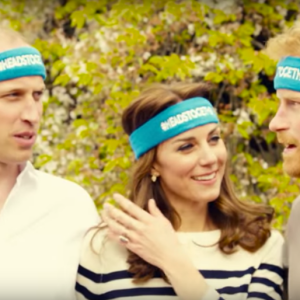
(291, 161)
(291, 164)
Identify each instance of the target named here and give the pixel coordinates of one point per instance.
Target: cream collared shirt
(42, 224)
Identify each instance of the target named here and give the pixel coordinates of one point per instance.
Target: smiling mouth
(289, 149)
(205, 177)
(290, 146)
(25, 136)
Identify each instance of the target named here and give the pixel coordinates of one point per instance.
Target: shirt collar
(26, 170)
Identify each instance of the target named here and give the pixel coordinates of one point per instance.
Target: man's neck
(8, 177)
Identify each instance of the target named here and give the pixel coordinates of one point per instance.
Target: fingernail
(116, 197)
(106, 206)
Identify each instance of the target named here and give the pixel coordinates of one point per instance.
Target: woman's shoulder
(92, 244)
(95, 236)
(100, 251)
(276, 238)
(273, 247)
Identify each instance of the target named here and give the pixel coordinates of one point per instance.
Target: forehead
(288, 94)
(197, 132)
(28, 82)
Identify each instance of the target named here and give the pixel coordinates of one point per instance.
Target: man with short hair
(285, 48)
(42, 217)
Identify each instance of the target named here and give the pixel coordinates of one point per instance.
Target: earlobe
(154, 174)
(154, 170)
(153, 178)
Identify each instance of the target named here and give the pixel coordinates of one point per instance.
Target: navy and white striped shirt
(238, 276)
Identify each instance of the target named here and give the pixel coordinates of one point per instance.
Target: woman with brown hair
(183, 234)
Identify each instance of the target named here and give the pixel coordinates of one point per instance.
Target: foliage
(100, 53)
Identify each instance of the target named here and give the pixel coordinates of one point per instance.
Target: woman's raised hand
(149, 235)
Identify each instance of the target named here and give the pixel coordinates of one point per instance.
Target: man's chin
(292, 170)
(19, 158)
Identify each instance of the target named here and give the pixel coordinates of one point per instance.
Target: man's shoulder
(295, 210)
(54, 184)
(63, 198)
(55, 180)
(294, 220)
(296, 204)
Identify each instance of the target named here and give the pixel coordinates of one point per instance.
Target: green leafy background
(100, 54)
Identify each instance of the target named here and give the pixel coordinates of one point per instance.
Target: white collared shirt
(42, 225)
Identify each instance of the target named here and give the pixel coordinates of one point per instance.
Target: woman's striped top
(238, 276)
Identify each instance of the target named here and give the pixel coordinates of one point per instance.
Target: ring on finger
(123, 239)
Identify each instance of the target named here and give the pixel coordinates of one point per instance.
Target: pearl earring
(153, 178)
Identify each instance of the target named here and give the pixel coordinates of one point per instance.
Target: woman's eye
(215, 138)
(185, 147)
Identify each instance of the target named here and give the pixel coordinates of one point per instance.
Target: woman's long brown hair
(241, 223)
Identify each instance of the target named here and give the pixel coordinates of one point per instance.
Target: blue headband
(170, 122)
(288, 74)
(20, 62)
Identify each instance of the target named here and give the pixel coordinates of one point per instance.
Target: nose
(207, 156)
(280, 121)
(32, 111)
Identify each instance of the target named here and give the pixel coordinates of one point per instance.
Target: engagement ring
(123, 239)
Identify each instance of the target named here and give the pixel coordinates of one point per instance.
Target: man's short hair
(284, 44)
(11, 39)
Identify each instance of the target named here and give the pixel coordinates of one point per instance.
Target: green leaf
(85, 78)
(78, 19)
(270, 137)
(110, 165)
(62, 79)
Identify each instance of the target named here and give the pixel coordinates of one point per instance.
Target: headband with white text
(288, 74)
(170, 122)
(21, 62)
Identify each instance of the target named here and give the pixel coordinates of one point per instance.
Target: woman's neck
(194, 217)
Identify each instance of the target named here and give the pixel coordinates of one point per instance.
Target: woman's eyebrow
(214, 129)
(190, 138)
